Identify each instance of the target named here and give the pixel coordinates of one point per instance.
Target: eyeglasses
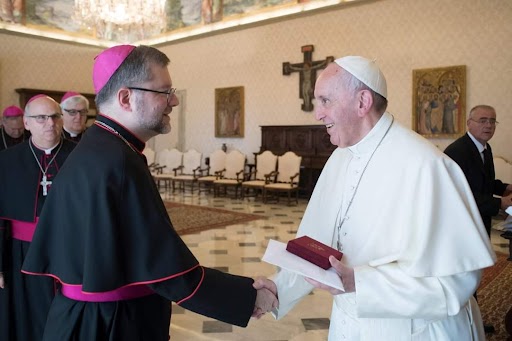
(73, 112)
(484, 120)
(169, 92)
(44, 118)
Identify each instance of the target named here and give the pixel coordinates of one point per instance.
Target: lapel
(474, 153)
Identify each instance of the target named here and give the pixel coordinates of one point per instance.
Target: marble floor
(238, 249)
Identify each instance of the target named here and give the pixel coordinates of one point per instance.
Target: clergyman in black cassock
(12, 130)
(25, 300)
(75, 108)
(106, 236)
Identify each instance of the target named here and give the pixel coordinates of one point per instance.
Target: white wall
(402, 34)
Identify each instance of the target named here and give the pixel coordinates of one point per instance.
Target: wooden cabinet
(312, 142)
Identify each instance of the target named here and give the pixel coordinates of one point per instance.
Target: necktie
(487, 160)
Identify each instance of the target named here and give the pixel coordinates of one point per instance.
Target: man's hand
(266, 297)
(2, 281)
(506, 202)
(347, 278)
(262, 282)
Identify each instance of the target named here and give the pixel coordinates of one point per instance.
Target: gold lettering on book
(316, 246)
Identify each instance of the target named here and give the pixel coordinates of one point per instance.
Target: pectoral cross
(307, 71)
(45, 183)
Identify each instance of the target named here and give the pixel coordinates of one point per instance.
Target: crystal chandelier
(124, 21)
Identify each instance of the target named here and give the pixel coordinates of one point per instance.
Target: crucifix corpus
(307, 72)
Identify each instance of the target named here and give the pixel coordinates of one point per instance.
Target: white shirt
(478, 145)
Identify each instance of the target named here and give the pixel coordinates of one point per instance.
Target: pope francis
(401, 212)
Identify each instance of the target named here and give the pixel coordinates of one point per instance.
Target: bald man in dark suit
(473, 154)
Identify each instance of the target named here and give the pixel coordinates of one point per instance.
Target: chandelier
(124, 21)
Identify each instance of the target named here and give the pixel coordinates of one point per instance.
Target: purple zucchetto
(107, 63)
(12, 111)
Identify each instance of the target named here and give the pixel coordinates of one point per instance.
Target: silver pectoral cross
(45, 183)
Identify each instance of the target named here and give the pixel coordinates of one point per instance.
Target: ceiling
(54, 19)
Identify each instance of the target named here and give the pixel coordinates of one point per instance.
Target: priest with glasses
(75, 108)
(27, 172)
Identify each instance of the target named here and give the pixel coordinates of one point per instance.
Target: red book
(313, 251)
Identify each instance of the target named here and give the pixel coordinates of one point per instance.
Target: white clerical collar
(70, 133)
(47, 151)
(372, 139)
(478, 145)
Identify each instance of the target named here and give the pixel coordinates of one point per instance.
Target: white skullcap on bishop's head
(367, 71)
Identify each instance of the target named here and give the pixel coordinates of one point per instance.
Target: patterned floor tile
(246, 244)
(316, 323)
(176, 309)
(218, 252)
(216, 327)
(251, 260)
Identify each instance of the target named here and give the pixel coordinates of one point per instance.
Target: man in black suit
(474, 156)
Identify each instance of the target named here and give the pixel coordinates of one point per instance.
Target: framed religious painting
(439, 101)
(229, 112)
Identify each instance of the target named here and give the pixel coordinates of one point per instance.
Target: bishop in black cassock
(12, 132)
(119, 235)
(105, 234)
(75, 108)
(8, 141)
(25, 300)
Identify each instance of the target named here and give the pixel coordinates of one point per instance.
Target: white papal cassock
(413, 235)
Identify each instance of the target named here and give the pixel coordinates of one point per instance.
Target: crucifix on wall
(307, 71)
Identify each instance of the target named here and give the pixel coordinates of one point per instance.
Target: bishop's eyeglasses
(43, 118)
(73, 112)
(485, 120)
(169, 92)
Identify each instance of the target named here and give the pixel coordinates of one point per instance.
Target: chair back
(235, 162)
(266, 163)
(172, 159)
(191, 161)
(161, 156)
(503, 169)
(288, 165)
(217, 161)
(150, 155)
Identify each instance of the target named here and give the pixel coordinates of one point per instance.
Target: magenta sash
(23, 230)
(75, 292)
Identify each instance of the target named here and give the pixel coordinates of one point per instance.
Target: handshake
(266, 297)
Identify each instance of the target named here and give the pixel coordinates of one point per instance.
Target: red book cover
(313, 251)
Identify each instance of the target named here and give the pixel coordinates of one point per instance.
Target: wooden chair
(286, 179)
(160, 158)
(189, 171)
(169, 160)
(266, 163)
(232, 175)
(216, 165)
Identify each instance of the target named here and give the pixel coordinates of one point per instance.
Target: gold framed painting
(439, 101)
(229, 112)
